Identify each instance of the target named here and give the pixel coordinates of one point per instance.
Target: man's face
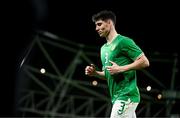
(102, 28)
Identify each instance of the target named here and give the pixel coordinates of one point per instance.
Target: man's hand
(115, 69)
(90, 70)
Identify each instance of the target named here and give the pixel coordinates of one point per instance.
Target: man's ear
(109, 21)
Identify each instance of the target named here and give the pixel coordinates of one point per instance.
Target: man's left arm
(139, 63)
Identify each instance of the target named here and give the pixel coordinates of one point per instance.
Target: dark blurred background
(153, 25)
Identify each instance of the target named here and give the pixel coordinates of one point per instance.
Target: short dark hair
(104, 15)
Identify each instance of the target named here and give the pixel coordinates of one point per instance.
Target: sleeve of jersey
(130, 49)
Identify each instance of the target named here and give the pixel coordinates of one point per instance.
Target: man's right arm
(91, 71)
(100, 74)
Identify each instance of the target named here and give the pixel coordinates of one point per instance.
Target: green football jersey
(122, 50)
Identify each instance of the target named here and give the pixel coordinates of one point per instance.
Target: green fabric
(122, 50)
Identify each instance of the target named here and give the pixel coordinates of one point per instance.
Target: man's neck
(112, 35)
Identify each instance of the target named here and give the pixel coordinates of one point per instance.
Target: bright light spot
(22, 62)
(42, 70)
(159, 96)
(94, 83)
(148, 88)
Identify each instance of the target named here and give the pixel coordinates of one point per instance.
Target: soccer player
(120, 57)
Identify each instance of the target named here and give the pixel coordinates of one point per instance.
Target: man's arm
(139, 63)
(100, 75)
(91, 71)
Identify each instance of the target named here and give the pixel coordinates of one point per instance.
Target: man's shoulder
(121, 39)
(125, 41)
(124, 37)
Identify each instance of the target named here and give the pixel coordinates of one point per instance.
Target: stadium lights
(42, 70)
